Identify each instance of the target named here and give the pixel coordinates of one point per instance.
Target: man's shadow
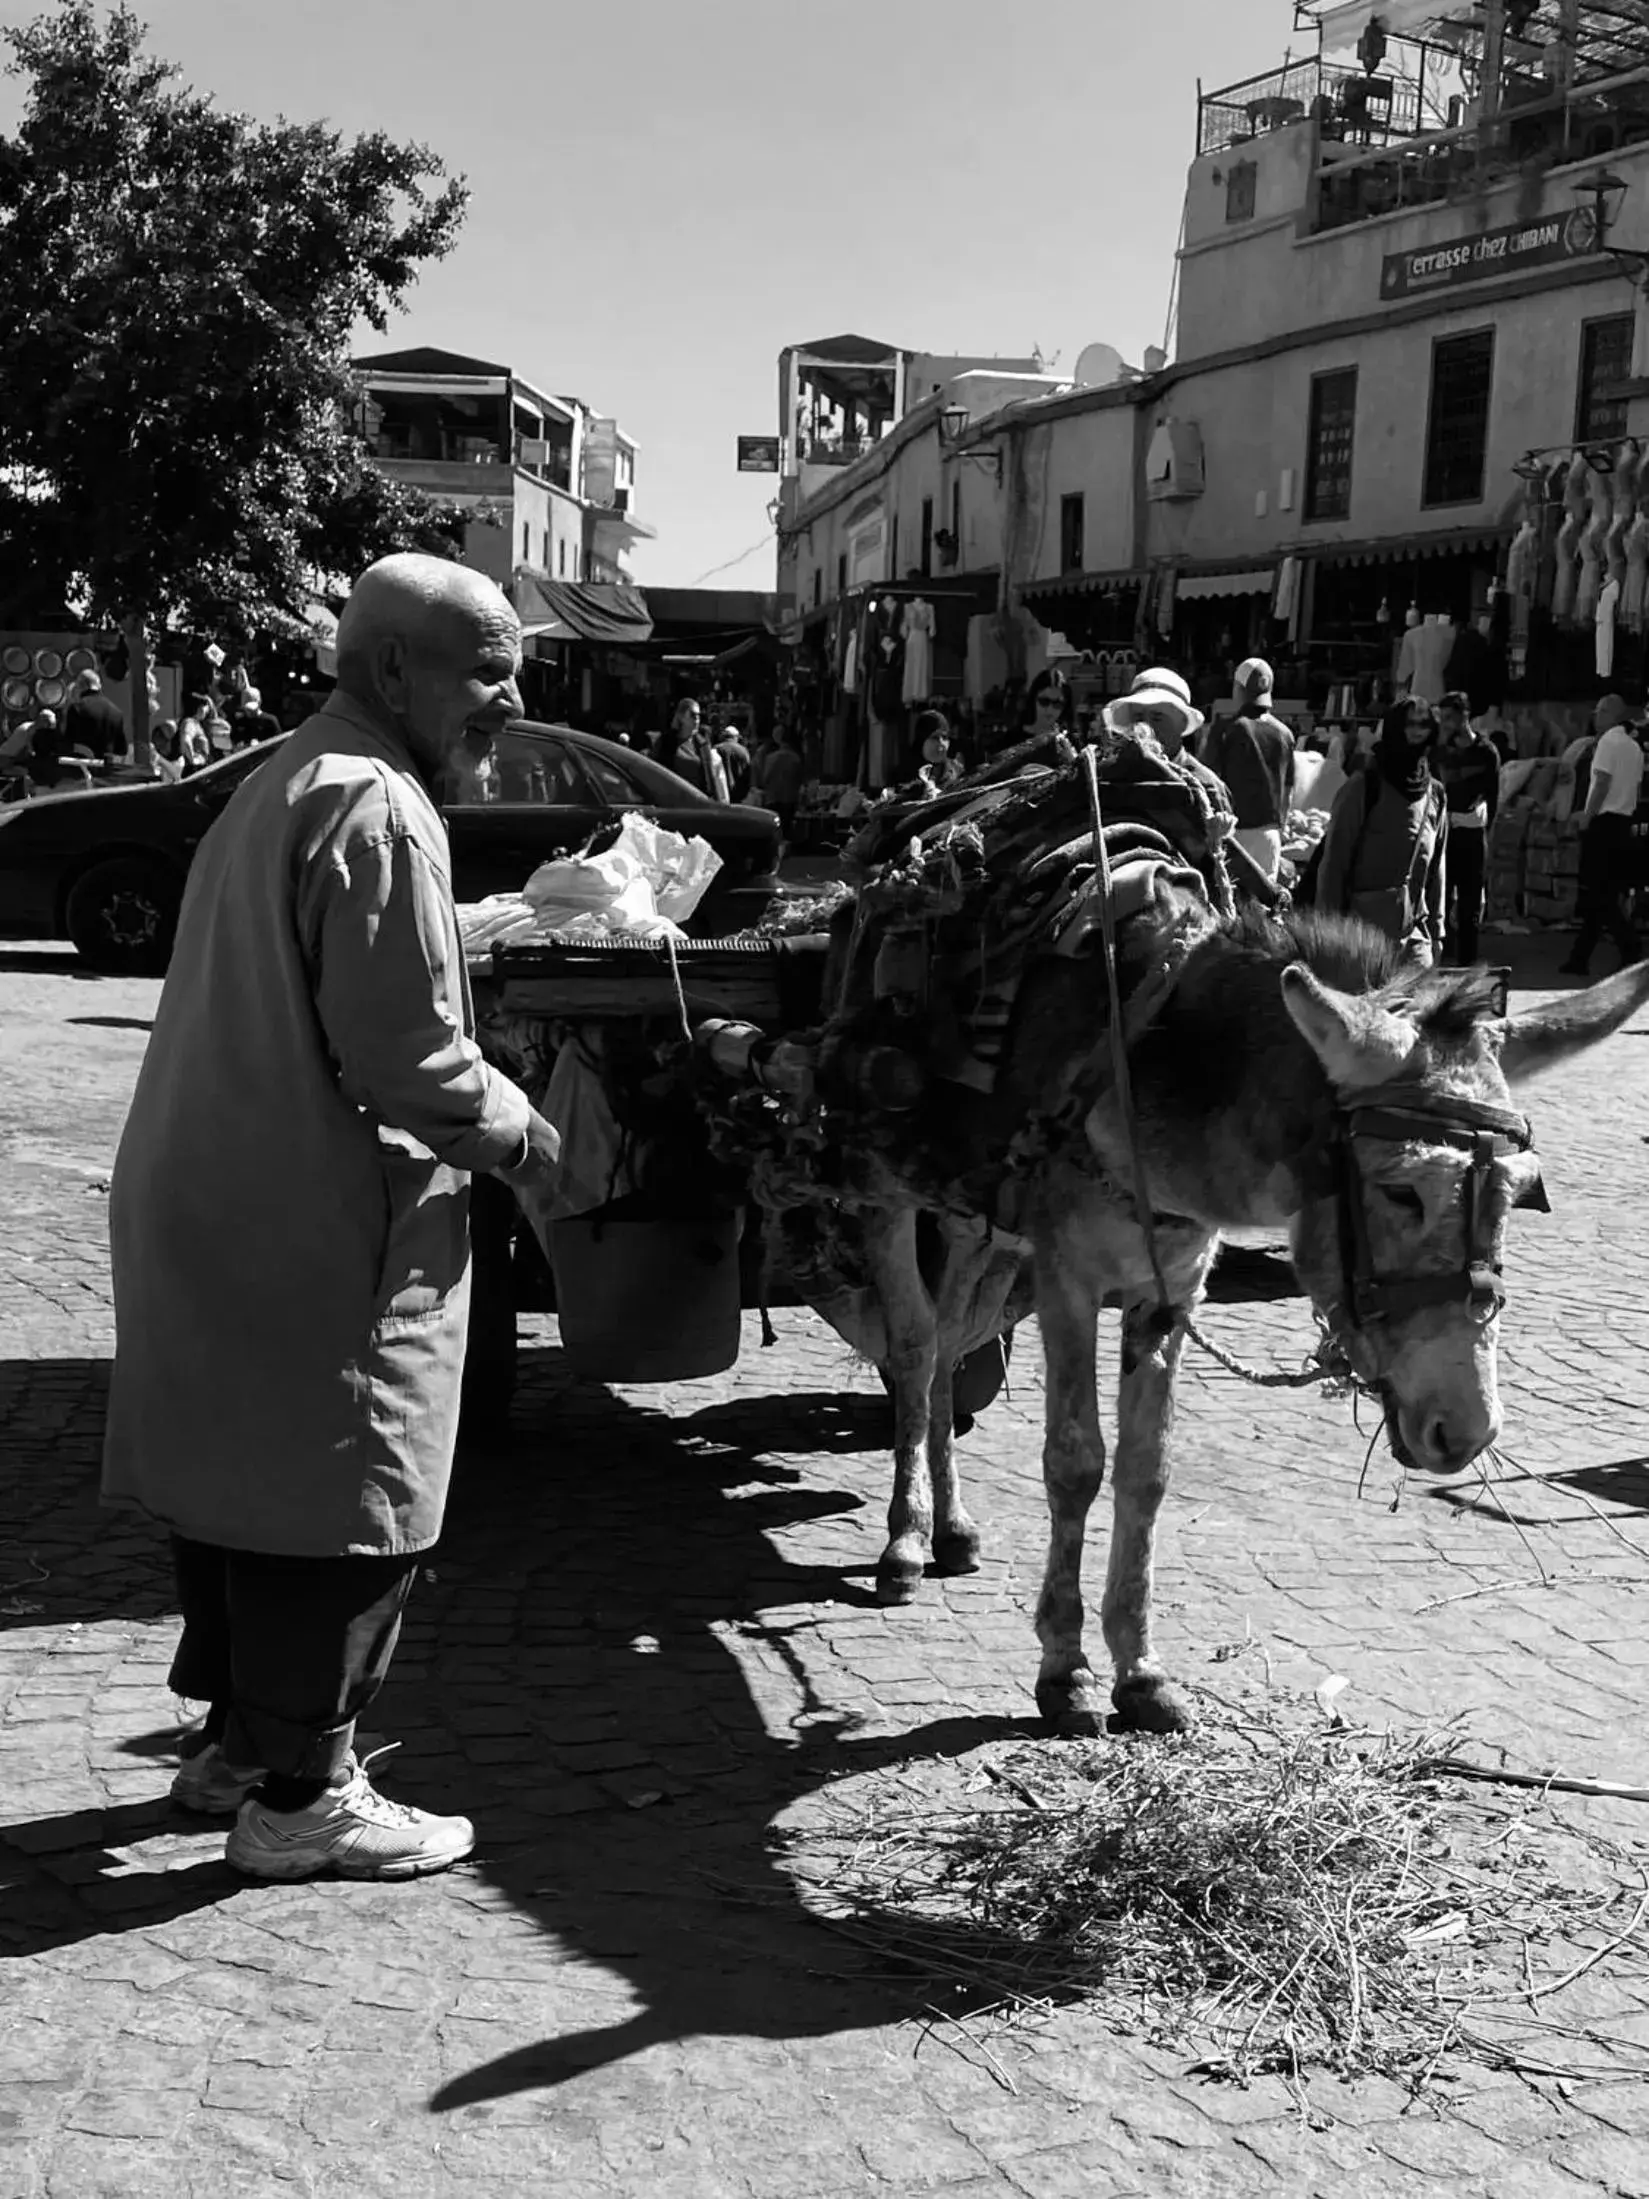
(614, 1668)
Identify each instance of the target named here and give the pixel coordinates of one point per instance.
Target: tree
(178, 290)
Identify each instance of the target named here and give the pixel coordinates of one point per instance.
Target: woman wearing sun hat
(1159, 704)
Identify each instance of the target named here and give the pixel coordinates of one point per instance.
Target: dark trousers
(287, 1651)
(1465, 868)
(1605, 888)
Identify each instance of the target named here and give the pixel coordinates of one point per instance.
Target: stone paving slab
(648, 1640)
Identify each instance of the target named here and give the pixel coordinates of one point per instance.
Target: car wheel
(122, 915)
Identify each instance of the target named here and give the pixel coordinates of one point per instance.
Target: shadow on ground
(576, 1675)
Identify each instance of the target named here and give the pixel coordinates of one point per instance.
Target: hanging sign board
(1566, 236)
(758, 454)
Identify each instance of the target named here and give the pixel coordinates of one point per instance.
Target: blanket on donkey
(972, 947)
(960, 897)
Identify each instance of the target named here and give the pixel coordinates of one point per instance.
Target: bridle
(1400, 1114)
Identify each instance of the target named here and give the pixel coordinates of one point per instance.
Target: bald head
(432, 648)
(414, 600)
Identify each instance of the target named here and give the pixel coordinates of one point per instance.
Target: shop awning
(1446, 542)
(1192, 586)
(581, 610)
(1079, 584)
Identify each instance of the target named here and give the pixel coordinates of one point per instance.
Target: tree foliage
(178, 289)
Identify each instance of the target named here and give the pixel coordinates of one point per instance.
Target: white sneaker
(212, 1786)
(351, 1831)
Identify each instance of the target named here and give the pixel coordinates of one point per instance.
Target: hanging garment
(876, 757)
(1423, 659)
(1607, 602)
(1286, 588)
(1520, 560)
(918, 631)
(1634, 598)
(850, 665)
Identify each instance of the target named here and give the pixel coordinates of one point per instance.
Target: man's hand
(542, 1157)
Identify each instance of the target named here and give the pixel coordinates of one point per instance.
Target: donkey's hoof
(1072, 1708)
(957, 1552)
(898, 1580)
(1149, 1705)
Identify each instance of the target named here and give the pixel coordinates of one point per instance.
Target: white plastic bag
(647, 884)
(679, 870)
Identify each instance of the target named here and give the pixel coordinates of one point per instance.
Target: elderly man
(289, 1222)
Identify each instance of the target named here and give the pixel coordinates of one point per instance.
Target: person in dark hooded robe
(1385, 849)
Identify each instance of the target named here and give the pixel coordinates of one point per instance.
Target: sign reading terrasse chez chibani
(1567, 236)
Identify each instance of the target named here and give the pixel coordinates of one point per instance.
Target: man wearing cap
(1253, 752)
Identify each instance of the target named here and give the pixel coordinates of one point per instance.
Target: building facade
(1407, 387)
(545, 486)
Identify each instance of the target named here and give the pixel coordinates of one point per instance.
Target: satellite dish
(1098, 366)
(1155, 358)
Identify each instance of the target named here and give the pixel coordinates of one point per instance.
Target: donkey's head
(1401, 1234)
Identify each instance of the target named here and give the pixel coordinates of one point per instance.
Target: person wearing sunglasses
(1045, 703)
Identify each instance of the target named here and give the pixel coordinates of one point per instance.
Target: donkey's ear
(1323, 1017)
(1545, 1037)
(1356, 1042)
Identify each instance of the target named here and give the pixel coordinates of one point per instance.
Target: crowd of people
(89, 740)
(1406, 843)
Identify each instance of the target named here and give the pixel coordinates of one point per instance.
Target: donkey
(1297, 1076)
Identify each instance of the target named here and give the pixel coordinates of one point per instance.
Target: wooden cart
(528, 992)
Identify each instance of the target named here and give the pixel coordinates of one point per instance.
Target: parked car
(106, 868)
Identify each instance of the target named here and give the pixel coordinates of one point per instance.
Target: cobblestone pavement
(650, 1637)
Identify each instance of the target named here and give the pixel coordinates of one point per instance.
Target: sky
(665, 193)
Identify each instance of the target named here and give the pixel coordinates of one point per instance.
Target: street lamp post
(953, 425)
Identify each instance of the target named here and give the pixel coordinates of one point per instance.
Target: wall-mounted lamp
(1602, 194)
(954, 422)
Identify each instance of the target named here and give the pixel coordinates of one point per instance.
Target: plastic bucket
(647, 1297)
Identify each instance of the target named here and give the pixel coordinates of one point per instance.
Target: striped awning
(1194, 585)
(1079, 584)
(1446, 542)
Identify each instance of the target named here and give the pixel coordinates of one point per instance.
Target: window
(841, 575)
(818, 585)
(614, 784)
(1328, 444)
(526, 543)
(1070, 533)
(956, 516)
(529, 768)
(561, 559)
(927, 535)
(1240, 179)
(1605, 363)
(1457, 432)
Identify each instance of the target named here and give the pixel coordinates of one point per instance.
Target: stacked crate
(1508, 836)
(1551, 871)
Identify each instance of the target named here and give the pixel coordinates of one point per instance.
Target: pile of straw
(1265, 1900)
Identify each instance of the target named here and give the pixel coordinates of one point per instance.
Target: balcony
(833, 450)
(449, 476)
(1345, 102)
